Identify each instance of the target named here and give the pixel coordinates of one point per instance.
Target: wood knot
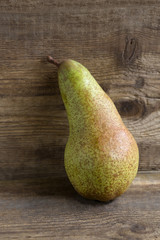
(139, 82)
(130, 49)
(128, 108)
(141, 228)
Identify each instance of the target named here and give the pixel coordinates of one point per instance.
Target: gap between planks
(142, 178)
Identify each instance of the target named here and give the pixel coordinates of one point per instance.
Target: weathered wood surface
(118, 41)
(51, 209)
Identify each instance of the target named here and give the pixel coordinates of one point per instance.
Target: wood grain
(118, 41)
(49, 208)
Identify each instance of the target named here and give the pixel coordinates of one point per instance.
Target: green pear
(101, 156)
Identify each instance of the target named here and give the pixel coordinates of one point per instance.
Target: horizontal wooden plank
(118, 41)
(39, 4)
(49, 208)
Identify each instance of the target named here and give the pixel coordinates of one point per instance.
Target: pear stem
(53, 61)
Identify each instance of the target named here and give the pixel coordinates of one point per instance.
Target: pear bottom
(101, 183)
(103, 196)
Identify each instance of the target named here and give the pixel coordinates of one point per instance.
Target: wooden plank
(118, 41)
(49, 208)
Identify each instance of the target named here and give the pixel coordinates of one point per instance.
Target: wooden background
(118, 41)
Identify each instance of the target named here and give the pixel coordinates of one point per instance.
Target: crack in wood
(130, 50)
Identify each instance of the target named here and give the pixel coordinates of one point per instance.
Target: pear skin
(101, 156)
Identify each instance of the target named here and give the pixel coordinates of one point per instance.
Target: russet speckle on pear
(101, 156)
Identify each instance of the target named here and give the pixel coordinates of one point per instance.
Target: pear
(101, 156)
